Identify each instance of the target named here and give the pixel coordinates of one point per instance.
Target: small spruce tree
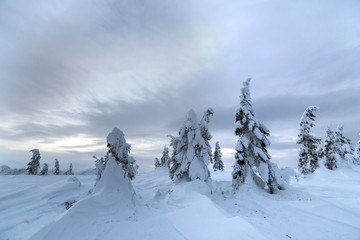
(69, 172)
(56, 170)
(344, 148)
(218, 163)
(329, 150)
(100, 167)
(191, 149)
(308, 155)
(251, 154)
(165, 158)
(34, 164)
(358, 152)
(44, 170)
(157, 163)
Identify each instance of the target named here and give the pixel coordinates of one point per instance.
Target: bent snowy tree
(34, 164)
(191, 149)
(308, 155)
(252, 157)
(120, 150)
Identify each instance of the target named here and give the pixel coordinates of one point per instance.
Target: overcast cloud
(73, 70)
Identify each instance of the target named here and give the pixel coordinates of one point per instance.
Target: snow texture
(325, 204)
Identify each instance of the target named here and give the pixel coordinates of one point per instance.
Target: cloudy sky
(70, 71)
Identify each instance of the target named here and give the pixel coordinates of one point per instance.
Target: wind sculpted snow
(324, 205)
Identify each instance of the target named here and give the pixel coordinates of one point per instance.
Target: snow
(322, 205)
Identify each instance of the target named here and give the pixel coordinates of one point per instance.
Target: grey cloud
(141, 66)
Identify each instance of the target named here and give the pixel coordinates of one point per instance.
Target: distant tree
(34, 164)
(191, 149)
(44, 170)
(344, 148)
(218, 163)
(69, 172)
(157, 163)
(251, 154)
(329, 151)
(308, 155)
(165, 158)
(120, 150)
(358, 151)
(100, 167)
(56, 170)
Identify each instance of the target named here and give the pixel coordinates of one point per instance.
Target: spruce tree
(218, 163)
(34, 164)
(251, 154)
(308, 155)
(358, 152)
(120, 150)
(191, 149)
(165, 158)
(44, 170)
(69, 172)
(344, 148)
(329, 152)
(157, 163)
(56, 170)
(100, 167)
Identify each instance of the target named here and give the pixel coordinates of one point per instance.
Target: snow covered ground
(325, 205)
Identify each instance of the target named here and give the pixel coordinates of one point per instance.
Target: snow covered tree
(100, 167)
(345, 148)
(69, 172)
(251, 153)
(218, 163)
(358, 151)
(120, 150)
(56, 171)
(165, 158)
(34, 164)
(157, 163)
(308, 155)
(329, 151)
(44, 170)
(191, 149)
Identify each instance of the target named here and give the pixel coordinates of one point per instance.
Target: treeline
(33, 166)
(192, 153)
(334, 151)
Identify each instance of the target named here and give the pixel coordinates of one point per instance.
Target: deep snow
(325, 205)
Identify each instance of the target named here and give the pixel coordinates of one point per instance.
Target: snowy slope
(323, 206)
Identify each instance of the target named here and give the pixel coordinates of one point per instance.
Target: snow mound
(111, 201)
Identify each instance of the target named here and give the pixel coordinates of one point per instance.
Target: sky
(71, 71)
